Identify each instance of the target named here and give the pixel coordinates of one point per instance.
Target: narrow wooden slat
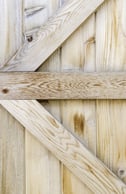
(42, 167)
(12, 160)
(77, 115)
(111, 56)
(51, 35)
(65, 146)
(39, 85)
(10, 29)
(12, 174)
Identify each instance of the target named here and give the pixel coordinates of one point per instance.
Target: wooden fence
(62, 129)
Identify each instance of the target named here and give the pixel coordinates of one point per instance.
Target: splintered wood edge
(39, 85)
(65, 146)
(41, 44)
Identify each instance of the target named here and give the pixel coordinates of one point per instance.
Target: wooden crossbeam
(65, 146)
(51, 35)
(39, 85)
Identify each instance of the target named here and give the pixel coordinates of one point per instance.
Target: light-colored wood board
(37, 13)
(55, 179)
(12, 176)
(69, 183)
(110, 56)
(43, 169)
(62, 85)
(12, 172)
(111, 135)
(89, 66)
(10, 29)
(65, 146)
(51, 35)
(76, 114)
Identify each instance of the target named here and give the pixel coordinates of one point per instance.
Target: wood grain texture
(65, 146)
(42, 167)
(69, 183)
(12, 175)
(53, 106)
(12, 161)
(51, 35)
(110, 56)
(10, 29)
(37, 13)
(77, 115)
(62, 85)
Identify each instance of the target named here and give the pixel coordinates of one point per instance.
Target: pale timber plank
(65, 146)
(37, 13)
(12, 174)
(42, 168)
(110, 56)
(51, 35)
(36, 155)
(76, 115)
(62, 85)
(69, 182)
(54, 165)
(53, 106)
(10, 29)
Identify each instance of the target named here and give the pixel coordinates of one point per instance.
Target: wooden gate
(73, 139)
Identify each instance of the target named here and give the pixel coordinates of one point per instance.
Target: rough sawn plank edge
(65, 146)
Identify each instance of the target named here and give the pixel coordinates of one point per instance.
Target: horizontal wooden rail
(65, 146)
(39, 85)
(51, 35)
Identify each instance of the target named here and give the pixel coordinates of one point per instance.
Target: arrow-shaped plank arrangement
(65, 146)
(60, 141)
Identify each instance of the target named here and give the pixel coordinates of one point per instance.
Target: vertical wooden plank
(52, 64)
(70, 184)
(110, 56)
(79, 115)
(12, 174)
(42, 168)
(10, 28)
(12, 179)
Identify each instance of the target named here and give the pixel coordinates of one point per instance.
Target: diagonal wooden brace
(65, 146)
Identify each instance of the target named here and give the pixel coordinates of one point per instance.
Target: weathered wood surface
(76, 114)
(65, 146)
(67, 182)
(110, 114)
(10, 29)
(43, 174)
(62, 85)
(51, 35)
(12, 175)
(12, 158)
(110, 56)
